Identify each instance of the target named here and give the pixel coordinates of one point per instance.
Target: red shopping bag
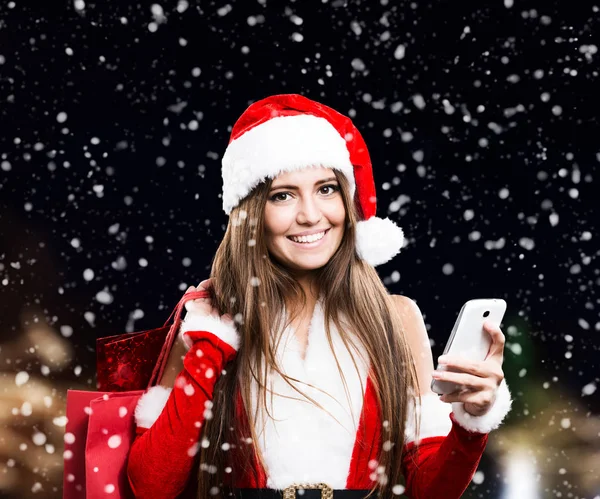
(99, 433)
(100, 425)
(125, 362)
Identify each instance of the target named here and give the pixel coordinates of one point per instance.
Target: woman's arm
(440, 461)
(174, 363)
(169, 420)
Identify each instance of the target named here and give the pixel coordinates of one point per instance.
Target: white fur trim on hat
(490, 420)
(282, 144)
(434, 419)
(198, 322)
(151, 405)
(378, 240)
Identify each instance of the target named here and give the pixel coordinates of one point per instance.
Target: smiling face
(308, 204)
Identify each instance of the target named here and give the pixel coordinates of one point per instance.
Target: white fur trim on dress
(378, 240)
(281, 144)
(198, 322)
(300, 442)
(151, 405)
(434, 419)
(489, 421)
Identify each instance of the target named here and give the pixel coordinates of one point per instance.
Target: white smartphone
(468, 338)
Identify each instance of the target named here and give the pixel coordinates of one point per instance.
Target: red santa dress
(301, 443)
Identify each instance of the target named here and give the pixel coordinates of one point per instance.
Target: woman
(322, 380)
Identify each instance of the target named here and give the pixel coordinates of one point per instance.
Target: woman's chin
(306, 263)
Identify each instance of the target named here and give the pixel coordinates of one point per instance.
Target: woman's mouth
(309, 242)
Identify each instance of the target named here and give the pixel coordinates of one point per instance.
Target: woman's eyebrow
(296, 187)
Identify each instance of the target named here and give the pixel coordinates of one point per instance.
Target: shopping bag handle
(161, 363)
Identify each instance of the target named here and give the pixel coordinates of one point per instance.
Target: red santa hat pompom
(289, 132)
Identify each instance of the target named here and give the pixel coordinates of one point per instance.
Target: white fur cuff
(151, 405)
(196, 322)
(489, 421)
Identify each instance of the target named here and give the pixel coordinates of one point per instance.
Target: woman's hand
(204, 306)
(479, 379)
(201, 307)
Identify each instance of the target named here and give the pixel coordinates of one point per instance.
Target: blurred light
(521, 476)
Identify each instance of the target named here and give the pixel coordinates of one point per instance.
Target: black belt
(303, 494)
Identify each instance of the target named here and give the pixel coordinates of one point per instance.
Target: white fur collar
(300, 442)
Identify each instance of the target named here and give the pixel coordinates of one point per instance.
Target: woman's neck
(308, 284)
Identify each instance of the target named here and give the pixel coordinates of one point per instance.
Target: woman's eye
(276, 197)
(333, 188)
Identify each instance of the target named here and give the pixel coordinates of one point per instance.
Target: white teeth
(308, 239)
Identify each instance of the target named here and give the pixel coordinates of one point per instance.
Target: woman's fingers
(497, 347)
(205, 306)
(481, 400)
(462, 379)
(463, 365)
(203, 285)
(481, 369)
(456, 396)
(201, 305)
(206, 284)
(473, 383)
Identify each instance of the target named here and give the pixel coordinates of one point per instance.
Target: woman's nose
(309, 211)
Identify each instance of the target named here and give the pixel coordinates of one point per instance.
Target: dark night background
(482, 123)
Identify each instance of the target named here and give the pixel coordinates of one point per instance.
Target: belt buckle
(290, 492)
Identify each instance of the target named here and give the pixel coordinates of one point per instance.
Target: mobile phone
(468, 338)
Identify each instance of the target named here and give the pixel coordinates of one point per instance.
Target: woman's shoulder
(412, 319)
(415, 331)
(407, 307)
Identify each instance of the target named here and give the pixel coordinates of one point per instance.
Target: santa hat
(284, 133)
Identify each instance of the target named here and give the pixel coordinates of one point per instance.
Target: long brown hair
(254, 288)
